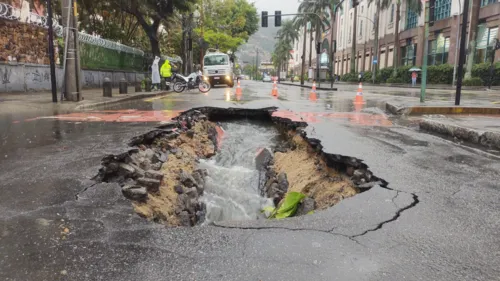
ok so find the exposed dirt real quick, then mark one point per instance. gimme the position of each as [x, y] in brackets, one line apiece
[185, 151]
[308, 173]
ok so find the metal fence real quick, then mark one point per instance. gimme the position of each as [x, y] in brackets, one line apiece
[95, 52]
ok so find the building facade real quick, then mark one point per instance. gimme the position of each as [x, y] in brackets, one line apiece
[443, 38]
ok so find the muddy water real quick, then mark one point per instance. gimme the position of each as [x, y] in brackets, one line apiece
[231, 191]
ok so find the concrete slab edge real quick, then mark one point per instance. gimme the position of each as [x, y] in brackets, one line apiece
[417, 110]
[309, 87]
[487, 139]
[127, 98]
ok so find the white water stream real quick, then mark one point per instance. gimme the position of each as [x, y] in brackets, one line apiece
[231, 191]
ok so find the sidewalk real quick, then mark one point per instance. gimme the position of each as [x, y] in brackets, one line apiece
[92, 98]
[340, 84]
[479, 130]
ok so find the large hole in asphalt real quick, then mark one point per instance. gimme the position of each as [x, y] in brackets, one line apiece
[213, 164]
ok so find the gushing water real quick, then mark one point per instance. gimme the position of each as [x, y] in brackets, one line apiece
[232, 191]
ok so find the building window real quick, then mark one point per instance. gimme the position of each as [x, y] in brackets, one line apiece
[487, 2]
[485, 43]
[361, 28]
[442, 9]
[392, 13]
[438, 50]
[408, 53]
[411, 19]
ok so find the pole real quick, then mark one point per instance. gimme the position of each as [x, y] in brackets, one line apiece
[71, 89]
[461, 59]
[423, 86]
[375, 43]
[456, 45]
[201, 33]
[51, 52]
[303, 55]
[77, 52]
[492, 66]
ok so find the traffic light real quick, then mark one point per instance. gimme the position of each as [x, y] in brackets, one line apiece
[334, 49]
[190, 44]
[264, 19]
[354, 3]
[277, 18]
[318, 48]
[432, 4]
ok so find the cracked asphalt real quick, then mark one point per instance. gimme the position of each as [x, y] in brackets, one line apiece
[438, 219]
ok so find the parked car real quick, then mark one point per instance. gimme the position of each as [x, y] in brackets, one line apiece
[266, 79]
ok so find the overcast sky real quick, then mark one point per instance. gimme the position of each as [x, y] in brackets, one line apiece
[285, 6]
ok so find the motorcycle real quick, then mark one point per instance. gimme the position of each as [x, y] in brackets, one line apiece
[194, 80]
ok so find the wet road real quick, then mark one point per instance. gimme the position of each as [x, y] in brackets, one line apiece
[437, 221]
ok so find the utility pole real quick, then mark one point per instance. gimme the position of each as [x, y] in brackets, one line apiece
[461, 58]
[354, 35]
[51, 52]
[423, 85]
[71, 83]
[375, 43]
[190, 44]
[257, 64]
[202, 41]
[303, 56]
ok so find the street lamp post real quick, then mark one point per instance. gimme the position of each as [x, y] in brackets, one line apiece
[51, 52]
[423, 85]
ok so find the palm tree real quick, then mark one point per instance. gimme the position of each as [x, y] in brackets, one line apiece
[318, 24]
[281, 54]
[299, 22]
[288, 33]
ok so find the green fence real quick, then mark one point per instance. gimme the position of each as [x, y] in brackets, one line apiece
[97, 57]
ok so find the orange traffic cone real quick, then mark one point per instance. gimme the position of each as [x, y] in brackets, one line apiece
[359, 95]
[274, 92]
[238, 88]
[312, 94]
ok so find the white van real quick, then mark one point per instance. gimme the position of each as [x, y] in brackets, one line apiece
[218, 68]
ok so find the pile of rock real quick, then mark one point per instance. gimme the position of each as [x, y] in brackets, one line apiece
[156, 174]
[190, 209]
[274, 185]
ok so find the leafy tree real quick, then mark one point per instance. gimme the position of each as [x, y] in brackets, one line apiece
[288, 34]
[227, 23]
[150, 14]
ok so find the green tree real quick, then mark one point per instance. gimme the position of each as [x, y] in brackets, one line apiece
[227, 23]
[289, 34]
[318, 17]
[150, 14]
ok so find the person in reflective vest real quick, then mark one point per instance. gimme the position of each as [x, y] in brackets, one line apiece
[166, 72]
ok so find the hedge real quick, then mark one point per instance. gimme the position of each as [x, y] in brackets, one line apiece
[482, 70]
[474, 81]
[436, 74]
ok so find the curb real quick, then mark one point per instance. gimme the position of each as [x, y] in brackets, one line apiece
[443, 110]
[432, 87]
[310, 87]
[128, 98]
[487, 139]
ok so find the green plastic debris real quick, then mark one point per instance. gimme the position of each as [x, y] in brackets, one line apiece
[287, 207]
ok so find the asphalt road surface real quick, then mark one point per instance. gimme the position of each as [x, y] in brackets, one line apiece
[437, 220]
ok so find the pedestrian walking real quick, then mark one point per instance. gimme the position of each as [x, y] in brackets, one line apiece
[166, 73]
[413, 78]
[155, 75]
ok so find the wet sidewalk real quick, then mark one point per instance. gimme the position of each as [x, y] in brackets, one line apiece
[92, 98]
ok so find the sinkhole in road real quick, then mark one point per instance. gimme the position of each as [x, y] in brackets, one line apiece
[219, 164]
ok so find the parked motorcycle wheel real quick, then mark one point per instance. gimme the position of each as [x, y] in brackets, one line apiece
[204, 87]
[179, 87]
